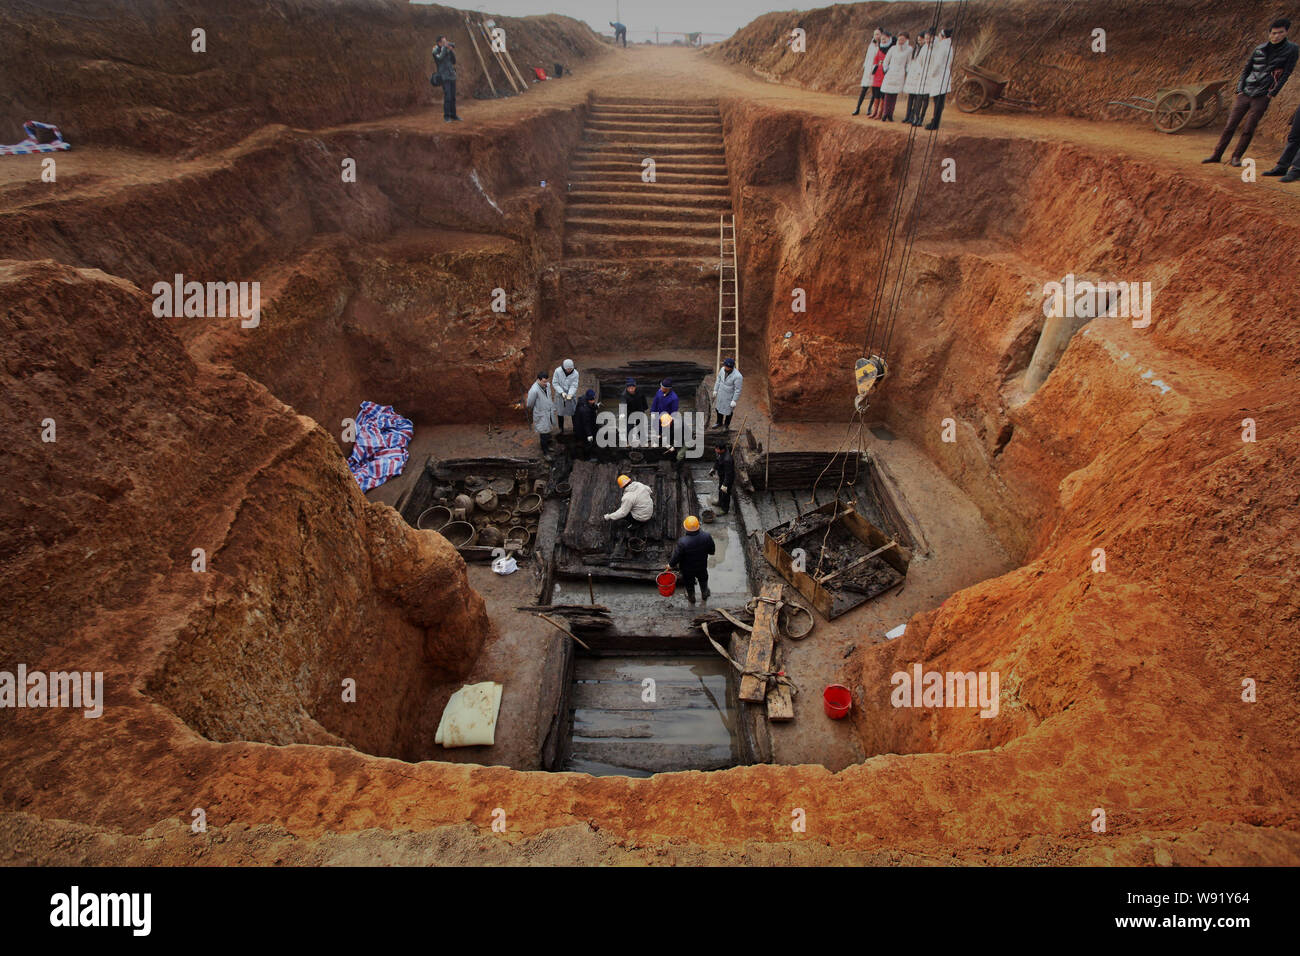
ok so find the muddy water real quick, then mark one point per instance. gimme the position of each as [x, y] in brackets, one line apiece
[645, 714]
[635, 716]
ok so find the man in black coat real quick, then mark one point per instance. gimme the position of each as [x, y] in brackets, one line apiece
[444, 56]
[584, 425]
[633, 401]
[1288, 164]
[724, 466]
[1262, 78]
[690, 558]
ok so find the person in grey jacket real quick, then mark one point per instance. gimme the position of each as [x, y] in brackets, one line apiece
[726, 392]
[541, 403]
[565, 382]
[1262, 78]
[444, 57]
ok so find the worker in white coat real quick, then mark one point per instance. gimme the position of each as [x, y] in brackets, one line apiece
[918, 65]
[895, 74]
[938, 81]
[565, 383]
[638, 503]
[541, 403]
[726, 392]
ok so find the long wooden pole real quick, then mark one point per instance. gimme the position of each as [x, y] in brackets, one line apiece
[487, 38]
[481, 62]
[511, 58]
[556, 624]
[504, 57]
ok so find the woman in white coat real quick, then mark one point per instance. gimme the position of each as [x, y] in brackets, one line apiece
[938, 81]
[895, 74]
[868, 68]
[914, 82]
[565, 383]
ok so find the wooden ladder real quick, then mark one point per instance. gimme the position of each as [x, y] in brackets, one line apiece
[728, 292]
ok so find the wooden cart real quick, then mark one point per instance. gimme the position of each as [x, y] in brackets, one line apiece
[981, 88]
[1180, 107]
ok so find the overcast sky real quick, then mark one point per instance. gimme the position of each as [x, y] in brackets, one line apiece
[642, 16]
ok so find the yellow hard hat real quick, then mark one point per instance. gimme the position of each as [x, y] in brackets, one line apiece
[691, 523]
[665, 419]
[623, 480]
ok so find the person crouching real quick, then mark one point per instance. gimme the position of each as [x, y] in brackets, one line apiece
[638, 504]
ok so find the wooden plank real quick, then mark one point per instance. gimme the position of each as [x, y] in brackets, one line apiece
[898, 556]
[780, 703]
[759, 655]
[802, 581]
[896, 506]
[860, 561]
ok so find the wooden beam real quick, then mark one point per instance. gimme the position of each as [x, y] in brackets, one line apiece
[481, 62]
[860, 561]
[780, 703]
[758, 660]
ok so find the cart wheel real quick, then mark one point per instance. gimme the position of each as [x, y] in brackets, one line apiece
[1173, 111]
[971, 96]
[1207, 113]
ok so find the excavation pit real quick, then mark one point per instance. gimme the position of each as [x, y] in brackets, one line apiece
[587, 578]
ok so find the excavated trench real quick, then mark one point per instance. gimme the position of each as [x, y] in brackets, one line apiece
[401, 311]
[391, 292]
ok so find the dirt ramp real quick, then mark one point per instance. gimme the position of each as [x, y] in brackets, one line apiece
[125, 72]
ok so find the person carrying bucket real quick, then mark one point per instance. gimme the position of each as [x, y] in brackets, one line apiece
[690, 558]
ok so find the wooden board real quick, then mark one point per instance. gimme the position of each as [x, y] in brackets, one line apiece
[780, 698]
[780, 703]
[761, 641]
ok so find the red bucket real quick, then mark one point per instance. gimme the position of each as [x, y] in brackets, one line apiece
[667, 582]
[837, 700]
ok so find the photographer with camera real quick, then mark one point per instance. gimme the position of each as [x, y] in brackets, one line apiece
[444, 57]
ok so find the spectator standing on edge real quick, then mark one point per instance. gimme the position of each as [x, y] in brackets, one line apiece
[918, 68]
[938, 80]
[868, 71]
[444, 55]
[895, 74]
[1262, 78]
[878, 77]
[1290, 154]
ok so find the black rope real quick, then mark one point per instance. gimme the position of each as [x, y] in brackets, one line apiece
[914, 217]
[882, 282]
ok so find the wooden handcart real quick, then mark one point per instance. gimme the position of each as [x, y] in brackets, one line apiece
[1180, 107]
[981, 88]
